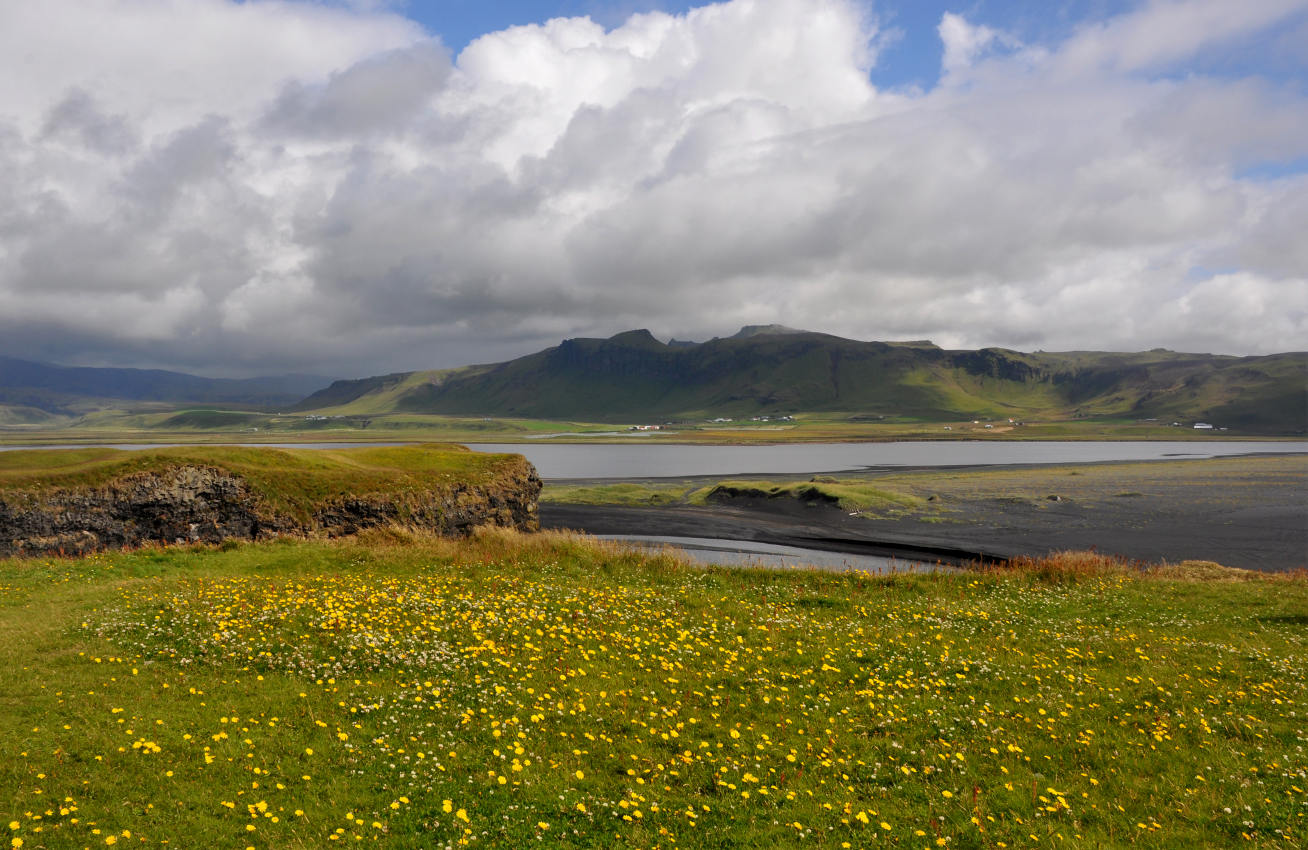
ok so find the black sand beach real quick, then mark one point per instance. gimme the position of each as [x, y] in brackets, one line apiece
[1249, 512]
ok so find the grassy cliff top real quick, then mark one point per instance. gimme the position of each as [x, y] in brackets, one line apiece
[288, 480]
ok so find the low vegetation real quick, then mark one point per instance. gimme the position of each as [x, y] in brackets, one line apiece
[848, 494]
[625, 493]
[220, 426]
[854, 495]
[549, 690]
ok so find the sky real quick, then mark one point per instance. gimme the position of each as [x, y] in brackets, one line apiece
[358, 187]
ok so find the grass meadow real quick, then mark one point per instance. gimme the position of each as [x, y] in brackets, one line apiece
[548, 690]
[849, 494]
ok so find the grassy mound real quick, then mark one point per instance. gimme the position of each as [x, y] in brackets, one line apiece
[289, 482]
[849, 495]
[205, 419]
[547, 690]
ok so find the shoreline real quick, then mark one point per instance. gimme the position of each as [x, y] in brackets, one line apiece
[1247, 512]
[727, 524]
[23, 437]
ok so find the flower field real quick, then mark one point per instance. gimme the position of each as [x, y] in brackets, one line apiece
[547, 691]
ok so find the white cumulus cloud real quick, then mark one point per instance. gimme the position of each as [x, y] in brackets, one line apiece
[268, 186]
[963, 42]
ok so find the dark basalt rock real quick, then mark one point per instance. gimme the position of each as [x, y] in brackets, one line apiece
[454, 511]
[204, 504]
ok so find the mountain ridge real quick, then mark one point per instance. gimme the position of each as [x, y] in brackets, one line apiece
[70, 390]
[777, 370]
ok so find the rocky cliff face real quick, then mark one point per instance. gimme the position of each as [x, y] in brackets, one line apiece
[204, 504]
[511, 502]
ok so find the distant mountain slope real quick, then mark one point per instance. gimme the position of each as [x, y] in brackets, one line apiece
[777, 370]
[764, 330]
[67, 389]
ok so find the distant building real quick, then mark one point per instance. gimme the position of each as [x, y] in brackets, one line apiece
[1202, 426]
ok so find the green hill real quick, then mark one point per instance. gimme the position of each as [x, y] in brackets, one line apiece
[70, 390]
[775, 370]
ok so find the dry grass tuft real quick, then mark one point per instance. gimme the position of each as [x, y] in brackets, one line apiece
[1207, 571]
[1069, 566]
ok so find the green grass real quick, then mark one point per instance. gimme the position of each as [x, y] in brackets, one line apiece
[27, 417]
[849, 494]
[289, 481]
[626, 493]
[210, 419]
[198, 427]
[512, 691]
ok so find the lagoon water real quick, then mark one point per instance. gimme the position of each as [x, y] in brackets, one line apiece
[748, 553]
[668, 460]
[645, 460]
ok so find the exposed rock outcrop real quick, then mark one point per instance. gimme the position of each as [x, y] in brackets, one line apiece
[510, 503]
[206, 504]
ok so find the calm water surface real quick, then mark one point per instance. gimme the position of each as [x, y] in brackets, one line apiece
[646, 460]
[745, 553]
[628, 461]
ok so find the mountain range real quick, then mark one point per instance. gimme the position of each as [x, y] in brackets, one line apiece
[762, 370]
[778, 370]
[33, 392]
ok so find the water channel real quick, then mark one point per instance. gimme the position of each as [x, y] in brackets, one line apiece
[645, 460]
[669, 460]
[748, 553]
